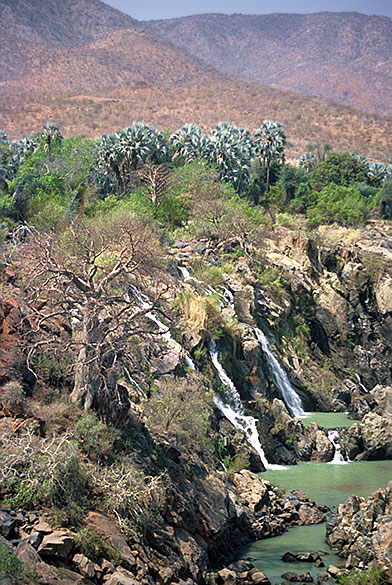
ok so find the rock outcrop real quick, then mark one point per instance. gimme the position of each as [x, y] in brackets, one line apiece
[369, 440]
[361, 532]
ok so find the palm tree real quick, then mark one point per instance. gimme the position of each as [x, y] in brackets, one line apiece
[377, 170]
[189, 143]
[269, 143]
[51, 135]
[231, 153]
[307, 161]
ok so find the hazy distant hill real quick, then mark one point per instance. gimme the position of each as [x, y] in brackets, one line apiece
[30, 29]
[92, 69]
[342, 56]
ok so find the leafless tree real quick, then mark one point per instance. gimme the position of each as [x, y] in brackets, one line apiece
[157, 180]
[88, 279]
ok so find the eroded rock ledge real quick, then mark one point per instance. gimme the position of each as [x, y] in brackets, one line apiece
[231, 510]
[361, 532]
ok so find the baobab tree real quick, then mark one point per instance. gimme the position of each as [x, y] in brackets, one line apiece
[87, 278]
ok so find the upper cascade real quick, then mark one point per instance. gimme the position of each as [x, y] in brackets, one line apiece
[234, 411]
[291, 398]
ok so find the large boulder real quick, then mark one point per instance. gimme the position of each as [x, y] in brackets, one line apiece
[369, 440]
[361, 532]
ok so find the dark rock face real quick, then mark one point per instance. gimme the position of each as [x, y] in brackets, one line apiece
[361, 531]
[369, 440]
[12, 361]
[298, 577]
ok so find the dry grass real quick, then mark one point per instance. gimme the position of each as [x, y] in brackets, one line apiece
[339, 235]
[305, 119]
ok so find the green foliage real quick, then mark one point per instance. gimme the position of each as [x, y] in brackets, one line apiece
[343, 205]
[304, 196]
[95, 438]
[373, 265]
[11, 567]
[297, 332]
[237, 463]
[182, 409]
[93, 547]
[50, 474]
[46, 189]
[367, 577]
[341, 169]
[385, 200]
[291, 179]
[270, 277]
[211, 275]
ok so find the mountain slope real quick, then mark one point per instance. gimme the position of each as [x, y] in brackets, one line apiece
[31, 29]
[91, 69]
[342, 56]
[121, 57]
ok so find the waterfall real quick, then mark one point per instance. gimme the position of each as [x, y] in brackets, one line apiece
[358, 377]
[291, 398]
[338, 457]
[186, 275]
[190, 363]
[227, 296]
[234, 411]
[145, 303]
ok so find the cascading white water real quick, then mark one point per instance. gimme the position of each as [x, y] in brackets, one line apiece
[227, 296]
[358, 377]
[234, 411]
[190, 363]
[333, 436]
[291, 398]
[145, 303]
[186, 275]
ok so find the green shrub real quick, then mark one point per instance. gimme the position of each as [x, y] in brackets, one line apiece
[45, 471]
[368, 577]
[182, 409]
[93, 547]
[341, 169]
[236, 463]
[95, 438]
[343, 205]
[11, 566]
[270, 277]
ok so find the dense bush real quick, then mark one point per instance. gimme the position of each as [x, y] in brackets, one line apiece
[341, 169]
[343, 205]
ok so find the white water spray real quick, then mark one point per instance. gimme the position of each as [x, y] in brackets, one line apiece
[333, 436]
[291, 398]
[358, 377]
[234, 411]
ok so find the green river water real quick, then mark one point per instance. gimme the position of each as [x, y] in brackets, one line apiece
[326, 484]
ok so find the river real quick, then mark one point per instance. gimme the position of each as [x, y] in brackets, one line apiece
[326, 484]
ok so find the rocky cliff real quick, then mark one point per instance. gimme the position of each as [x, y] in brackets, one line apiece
[361, 532]
[323, 305]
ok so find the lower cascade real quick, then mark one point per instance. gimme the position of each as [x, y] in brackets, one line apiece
[291, 398]
[234, 412]
[338, 459]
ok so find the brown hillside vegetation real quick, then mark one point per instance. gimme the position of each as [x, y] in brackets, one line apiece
[30, 29]
[91, 69]
[346, 57]
[129, 57]
[306, 119]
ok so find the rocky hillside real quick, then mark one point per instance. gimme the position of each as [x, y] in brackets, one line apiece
[129, 70]
[344, 56]
[32, 30]
[361, 531]
[325, 308]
